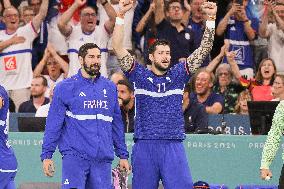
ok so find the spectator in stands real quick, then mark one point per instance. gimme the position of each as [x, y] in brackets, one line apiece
[172, 29]
[278, 87]
[112, 62]
[274, 32]
[38, 88]
[203, 94]
[42, 111]
[40, 42]
[146, 27]
[225, 84]
[196, 23]
[86, 31]
[15, 70]
[126, 103]
[240, 28]
[54, 64]
[27, 15]
[241, 104]
[195, 116]
[117, 76]
[272, 144]
[260, 86]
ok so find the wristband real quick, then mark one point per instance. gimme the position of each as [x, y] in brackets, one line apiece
[119, 21]
[210, 24]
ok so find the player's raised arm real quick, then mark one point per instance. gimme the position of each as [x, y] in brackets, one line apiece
[124, 57]
[197, 57]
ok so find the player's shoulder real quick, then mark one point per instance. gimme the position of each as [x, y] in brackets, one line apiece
[107, 82]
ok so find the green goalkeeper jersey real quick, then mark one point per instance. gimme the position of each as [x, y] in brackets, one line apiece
[274, 137]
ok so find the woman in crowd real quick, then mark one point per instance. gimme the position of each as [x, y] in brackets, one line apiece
[242, 105]
[278, 87]
[260, 86]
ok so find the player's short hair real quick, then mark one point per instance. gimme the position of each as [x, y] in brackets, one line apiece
[126, 83]
[83, 51]
[158, 42]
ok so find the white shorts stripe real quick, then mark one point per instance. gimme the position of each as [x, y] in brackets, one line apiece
[8, 171]
[158, 95]
[86, 117]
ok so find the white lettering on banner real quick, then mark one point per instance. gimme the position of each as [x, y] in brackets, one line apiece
[25, 142]
[90, 104]
[221, 145]
[237, 130]
[259, 145]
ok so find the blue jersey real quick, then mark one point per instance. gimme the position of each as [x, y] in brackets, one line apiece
[84, 119]
[240, 43]
[8, 162]
[158, 102]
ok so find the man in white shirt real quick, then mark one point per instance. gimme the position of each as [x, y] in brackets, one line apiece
[86, 32]
[15, 57]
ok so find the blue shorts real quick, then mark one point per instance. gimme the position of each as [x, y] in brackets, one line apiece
[153, 160]
[80, 173]
[7, 180]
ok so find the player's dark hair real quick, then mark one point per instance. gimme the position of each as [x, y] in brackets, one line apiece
[158, 42]
[83, 51]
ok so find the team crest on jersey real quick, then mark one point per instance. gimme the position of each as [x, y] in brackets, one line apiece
[10, 63]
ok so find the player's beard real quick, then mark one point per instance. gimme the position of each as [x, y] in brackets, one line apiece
[92, 70]
[159, 67]
[125, 101]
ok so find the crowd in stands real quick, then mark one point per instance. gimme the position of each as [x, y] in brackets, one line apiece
[39, 42]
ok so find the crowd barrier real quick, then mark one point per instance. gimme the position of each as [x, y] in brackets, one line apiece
[231, 160]
[236, 124]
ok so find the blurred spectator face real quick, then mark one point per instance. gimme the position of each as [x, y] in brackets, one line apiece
[28, 15]
[88, 19]
[243, 102]
[196, 10]
[11, 18]
[124, 94]
[35, 4]
[53, 68]
[267, 69]
[175, 11]
[278, 86]
[224, 78]
[203, 83]
[115, 77]
[37, 87]
[161, 57]
[280, 11]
